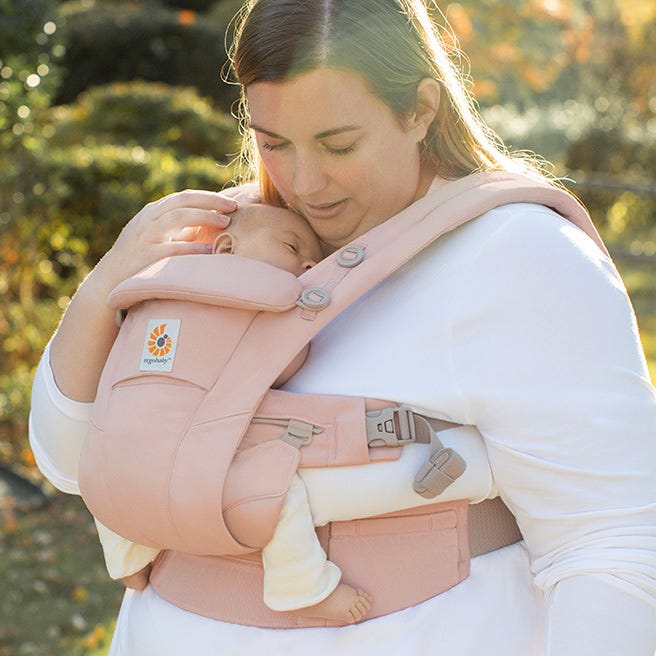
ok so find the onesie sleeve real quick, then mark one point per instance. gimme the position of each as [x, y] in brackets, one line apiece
[57, 428]
[553, 375]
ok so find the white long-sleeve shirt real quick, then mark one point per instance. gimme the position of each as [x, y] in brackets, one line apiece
[517, 324]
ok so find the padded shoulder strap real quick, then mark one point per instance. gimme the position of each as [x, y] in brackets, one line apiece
[385, 248]
[335, 283]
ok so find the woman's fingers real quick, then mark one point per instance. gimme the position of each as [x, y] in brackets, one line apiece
[181, 223]
[204, 200]
[185, 248]
[184, 217]
[187, 234]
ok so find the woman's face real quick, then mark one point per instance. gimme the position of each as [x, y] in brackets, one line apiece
[335, 152]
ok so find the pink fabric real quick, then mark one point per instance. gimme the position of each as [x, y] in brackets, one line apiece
[405, 558]
[171, 495]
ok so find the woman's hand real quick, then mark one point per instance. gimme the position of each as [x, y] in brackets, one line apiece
[183, 223]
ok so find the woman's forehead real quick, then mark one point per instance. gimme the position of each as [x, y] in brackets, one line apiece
[319, 101]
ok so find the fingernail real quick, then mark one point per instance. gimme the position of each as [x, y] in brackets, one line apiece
[232, 203]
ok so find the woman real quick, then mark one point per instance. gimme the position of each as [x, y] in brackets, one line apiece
[515, 323]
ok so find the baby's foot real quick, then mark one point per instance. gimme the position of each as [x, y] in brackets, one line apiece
[344, 604]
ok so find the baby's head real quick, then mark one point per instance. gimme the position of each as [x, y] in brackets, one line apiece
[273, 235]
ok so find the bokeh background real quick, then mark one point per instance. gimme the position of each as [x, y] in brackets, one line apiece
[108, 104]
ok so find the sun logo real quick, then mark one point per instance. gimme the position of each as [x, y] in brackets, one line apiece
[159, 343]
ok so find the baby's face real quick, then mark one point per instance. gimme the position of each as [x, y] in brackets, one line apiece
[276, 236]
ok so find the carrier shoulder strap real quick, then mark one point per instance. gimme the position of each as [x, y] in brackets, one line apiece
[343, 277]
[273, 340]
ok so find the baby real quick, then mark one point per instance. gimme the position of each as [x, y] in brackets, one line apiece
[297, 575]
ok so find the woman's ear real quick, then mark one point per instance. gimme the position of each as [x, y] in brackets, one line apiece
[224, 244]
[428, 102]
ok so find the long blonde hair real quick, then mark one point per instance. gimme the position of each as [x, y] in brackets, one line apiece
[393, 45]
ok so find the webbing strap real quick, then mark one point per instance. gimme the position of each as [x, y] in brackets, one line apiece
[398, 426]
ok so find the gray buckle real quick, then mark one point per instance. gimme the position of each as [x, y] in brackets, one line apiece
[299, 433]
[441, 469]
[350, 256]
[314, 299]
[393, 426]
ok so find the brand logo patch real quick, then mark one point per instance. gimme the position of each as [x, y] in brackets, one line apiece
[159, 346]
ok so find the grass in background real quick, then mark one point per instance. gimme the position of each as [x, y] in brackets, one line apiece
[57, 599]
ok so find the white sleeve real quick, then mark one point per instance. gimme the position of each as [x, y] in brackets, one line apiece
[552, 372]
[122, 557]
[57, 428]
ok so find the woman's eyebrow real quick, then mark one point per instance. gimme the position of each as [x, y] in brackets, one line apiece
[320, 135]
[330, 133]
[273, 135]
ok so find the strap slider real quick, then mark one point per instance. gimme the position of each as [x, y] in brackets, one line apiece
[314, 299]
[299, 433]
[350, 256]
[393, 426]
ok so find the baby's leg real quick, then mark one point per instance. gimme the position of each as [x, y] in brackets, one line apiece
[298, 576]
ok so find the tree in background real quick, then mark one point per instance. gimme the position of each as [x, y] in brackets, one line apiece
[576, 81]
[108, 104]
[151, 41]
[70, 177]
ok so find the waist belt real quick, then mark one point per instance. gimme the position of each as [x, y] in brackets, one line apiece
[401, 559]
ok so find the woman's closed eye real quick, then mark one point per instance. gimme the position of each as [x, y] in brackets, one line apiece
[267, 145]
[339, 150]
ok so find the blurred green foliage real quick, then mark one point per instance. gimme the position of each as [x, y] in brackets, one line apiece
[109, 42]
[108, 104]
[70, 177]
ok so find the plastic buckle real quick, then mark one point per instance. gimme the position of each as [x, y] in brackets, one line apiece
[441, 469]
[299, 433]
[393, 426]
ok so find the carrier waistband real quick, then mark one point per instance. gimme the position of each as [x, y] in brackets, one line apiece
[372, 554]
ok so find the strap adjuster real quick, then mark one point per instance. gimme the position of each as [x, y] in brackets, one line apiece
[441, 469]
[299, 433]
[393, 426]
[398, 426]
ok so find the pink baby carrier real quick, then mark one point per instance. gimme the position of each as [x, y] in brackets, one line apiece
[192, 452]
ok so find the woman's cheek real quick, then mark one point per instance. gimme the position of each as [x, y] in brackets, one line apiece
[278, 171]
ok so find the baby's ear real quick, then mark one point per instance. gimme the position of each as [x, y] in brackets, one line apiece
[223, 244]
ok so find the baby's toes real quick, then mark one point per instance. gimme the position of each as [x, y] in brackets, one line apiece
[365, 598]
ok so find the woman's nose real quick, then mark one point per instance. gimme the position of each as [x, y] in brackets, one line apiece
[309, 177]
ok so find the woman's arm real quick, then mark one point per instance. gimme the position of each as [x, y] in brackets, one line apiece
[550, 366]
[161, 229]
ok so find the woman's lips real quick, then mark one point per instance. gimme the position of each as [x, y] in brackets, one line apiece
[324, 211]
